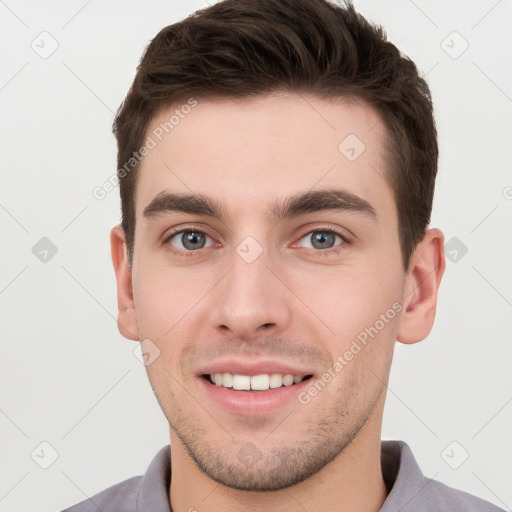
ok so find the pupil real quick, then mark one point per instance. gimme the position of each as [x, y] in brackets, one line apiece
[192, 240]
[322, 240]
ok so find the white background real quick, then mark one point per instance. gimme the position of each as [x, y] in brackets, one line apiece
[68, 377]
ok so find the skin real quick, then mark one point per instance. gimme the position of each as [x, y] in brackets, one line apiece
[295, 303]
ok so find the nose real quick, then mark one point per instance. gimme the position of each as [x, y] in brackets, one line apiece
[250, 300]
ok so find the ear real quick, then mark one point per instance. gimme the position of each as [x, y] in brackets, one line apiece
[126, 320]
[420, 291]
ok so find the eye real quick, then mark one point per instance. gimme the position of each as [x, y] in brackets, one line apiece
[322, 239]
[190, 240]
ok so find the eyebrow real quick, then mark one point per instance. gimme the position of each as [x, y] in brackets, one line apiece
[292, 206]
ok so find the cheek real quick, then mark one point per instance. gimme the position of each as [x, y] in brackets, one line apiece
[363, 310]
[163, 297]
[360, 295]
[357, 306]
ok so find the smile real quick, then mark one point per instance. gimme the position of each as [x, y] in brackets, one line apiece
[262, 382]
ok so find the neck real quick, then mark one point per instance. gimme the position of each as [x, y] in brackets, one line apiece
[352, 481]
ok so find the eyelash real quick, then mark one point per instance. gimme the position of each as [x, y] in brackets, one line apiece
[346, 240]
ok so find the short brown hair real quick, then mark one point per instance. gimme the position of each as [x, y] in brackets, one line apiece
[246, 48]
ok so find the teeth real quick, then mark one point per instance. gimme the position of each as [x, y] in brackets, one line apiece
[276, 380]
[288, 380]
[241, 382]
[261, 382]
[227, 380]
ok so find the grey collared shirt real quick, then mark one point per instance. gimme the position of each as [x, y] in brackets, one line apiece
[409, 490]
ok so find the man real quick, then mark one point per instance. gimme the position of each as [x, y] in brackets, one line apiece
[277, 162]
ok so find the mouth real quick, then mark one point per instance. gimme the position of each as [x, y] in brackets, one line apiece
[253, 387]
[253, 395]
[257, 383]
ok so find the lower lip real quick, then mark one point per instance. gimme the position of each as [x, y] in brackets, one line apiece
[252, 403]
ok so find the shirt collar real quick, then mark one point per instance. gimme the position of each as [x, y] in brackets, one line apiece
[401, 473]
[154, 486]
[400, 469]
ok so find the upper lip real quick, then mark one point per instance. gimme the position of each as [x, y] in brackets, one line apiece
[251, 367]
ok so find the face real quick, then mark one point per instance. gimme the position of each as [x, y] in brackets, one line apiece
[266, 252]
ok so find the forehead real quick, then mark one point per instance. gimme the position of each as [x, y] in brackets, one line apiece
[245, 153]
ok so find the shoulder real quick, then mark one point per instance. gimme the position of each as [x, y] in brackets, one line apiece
[148, 492]
[119, 497]
[411, 491]
[441, 497]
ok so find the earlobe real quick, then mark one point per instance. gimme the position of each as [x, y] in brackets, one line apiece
[126, 320]
[421, 287]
